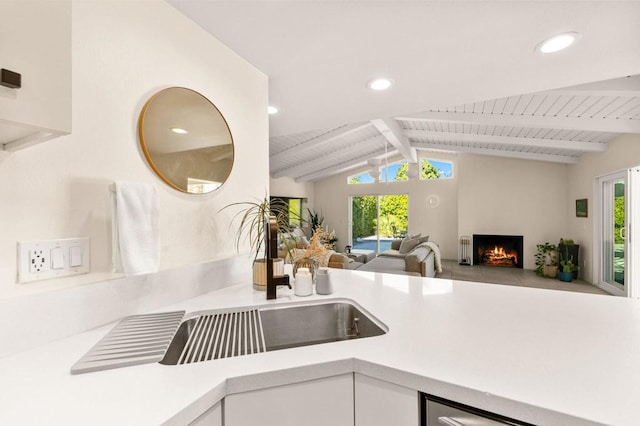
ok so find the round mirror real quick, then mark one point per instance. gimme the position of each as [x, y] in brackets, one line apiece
[186, 140]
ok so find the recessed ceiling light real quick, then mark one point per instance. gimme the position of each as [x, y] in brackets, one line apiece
[272, 110]
[179, 131]
[380, 84]
[558, 42]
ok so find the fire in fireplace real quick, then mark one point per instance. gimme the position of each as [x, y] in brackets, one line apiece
[498, 250]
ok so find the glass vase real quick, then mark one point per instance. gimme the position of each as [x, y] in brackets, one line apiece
[306, 262]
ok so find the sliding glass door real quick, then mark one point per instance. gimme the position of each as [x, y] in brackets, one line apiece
[613, 228]
[377, 219]
[616, 209]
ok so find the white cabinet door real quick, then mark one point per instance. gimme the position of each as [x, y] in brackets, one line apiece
[379, 403]
[35, 41]
[212, 417]
[321, 402]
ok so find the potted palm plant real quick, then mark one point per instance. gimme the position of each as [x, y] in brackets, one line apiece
[254, 217]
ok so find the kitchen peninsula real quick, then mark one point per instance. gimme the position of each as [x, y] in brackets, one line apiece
[540, 356]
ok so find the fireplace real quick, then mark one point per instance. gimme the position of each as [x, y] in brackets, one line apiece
[498, 250]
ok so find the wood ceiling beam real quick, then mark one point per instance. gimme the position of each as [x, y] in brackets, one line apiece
[317, 142]
[566, 123]
[339, 167]
[566, 159]
[628, 87]
[362, 150]
[396, 137]
[473, 138]
[629, 93]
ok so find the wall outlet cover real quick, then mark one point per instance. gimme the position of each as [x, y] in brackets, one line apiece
[37, 260]
[42, 260]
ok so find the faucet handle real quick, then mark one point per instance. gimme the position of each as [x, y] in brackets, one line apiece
[274, 282]
[282, 280]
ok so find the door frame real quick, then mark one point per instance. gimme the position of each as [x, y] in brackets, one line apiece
[378, 197]
[632, 215]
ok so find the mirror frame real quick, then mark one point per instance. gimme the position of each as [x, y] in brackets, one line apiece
[144, 145]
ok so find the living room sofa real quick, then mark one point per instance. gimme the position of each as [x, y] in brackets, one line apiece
[341, 261]
[420, 260]
[409, 256]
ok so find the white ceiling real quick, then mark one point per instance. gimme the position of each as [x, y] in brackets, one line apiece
[461, 71]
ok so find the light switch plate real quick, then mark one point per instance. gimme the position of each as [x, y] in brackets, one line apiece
[75, 256]
[42, 260]
[57, 258]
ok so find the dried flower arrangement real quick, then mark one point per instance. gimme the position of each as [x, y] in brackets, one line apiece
[320, 248]
[323, 237]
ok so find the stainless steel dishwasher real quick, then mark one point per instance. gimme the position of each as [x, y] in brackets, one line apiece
[436, 411]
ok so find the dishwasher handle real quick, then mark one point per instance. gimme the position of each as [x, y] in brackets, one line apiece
[448, 421]
[467, 420]
[440, 412]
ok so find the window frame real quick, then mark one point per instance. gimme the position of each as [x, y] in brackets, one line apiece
[423, 159]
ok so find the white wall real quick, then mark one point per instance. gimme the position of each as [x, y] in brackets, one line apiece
[122, 53]
[513, 197]
[287, 187]
[622, 153]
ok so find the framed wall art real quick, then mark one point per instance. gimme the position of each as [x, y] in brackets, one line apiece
[582, 209]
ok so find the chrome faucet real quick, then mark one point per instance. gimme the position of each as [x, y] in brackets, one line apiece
[271, 243]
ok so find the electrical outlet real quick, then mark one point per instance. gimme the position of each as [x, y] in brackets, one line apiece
[37, 260]
[41, 260]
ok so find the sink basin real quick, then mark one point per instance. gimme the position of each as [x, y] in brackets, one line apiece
[313, 324]
[227, 333]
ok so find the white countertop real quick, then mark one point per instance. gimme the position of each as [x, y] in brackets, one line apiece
[543, 356]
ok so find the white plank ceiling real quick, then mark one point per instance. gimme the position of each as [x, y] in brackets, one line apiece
[557, 126]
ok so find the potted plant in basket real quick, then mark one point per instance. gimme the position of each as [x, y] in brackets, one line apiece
[547, 260]
[254, 217]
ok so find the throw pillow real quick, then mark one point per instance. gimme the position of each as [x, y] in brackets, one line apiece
[423, 239]
[289, 243]
[395, 244]
[408, 244]
[298, 232]
[302, 242]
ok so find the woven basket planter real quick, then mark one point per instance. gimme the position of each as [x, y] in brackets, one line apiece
[550, 271]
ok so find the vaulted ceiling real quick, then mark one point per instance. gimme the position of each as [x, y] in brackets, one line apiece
[557, 126]
[466, 77]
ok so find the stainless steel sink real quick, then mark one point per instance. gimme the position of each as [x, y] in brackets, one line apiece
[233, 332]
[313, 324]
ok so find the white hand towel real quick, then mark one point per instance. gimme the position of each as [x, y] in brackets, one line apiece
[135, 228]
